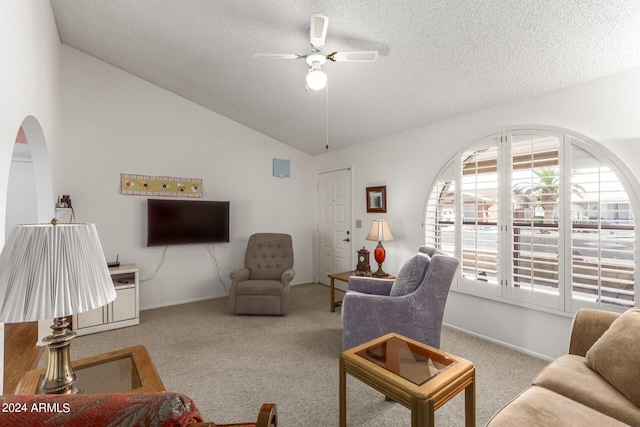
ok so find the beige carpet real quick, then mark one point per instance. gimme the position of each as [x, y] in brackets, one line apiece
[230, 365]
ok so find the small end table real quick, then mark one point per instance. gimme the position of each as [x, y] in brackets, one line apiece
[344, 277]
[417, 376]
[129, 370]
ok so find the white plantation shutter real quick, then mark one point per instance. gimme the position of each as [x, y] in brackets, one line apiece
[440, 221]
[602, 236]
[479, 206]
[536, 184]
[541, 214]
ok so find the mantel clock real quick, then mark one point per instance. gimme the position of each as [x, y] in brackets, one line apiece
[363, 268]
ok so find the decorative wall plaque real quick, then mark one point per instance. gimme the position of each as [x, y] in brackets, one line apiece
[147, 185]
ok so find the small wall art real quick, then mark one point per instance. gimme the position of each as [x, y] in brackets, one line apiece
[146, 185]
[377, 199]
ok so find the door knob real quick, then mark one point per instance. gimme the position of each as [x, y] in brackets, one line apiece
[346, 240]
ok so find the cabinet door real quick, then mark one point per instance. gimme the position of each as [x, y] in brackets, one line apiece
[124, 306]
[91, 318]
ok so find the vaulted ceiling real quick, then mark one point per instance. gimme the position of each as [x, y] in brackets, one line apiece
[437, 58]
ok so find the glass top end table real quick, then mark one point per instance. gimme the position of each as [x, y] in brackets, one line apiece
[415, 375]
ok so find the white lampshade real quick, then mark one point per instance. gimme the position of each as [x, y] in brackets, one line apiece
[380, 231]
[316, 79]
[52, 271]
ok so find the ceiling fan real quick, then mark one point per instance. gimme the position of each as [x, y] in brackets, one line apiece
[316, 79]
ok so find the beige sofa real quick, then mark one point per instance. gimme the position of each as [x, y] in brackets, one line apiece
[596, 384]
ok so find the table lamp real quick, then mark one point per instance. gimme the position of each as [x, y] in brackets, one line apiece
[53, 271]
[380, 231]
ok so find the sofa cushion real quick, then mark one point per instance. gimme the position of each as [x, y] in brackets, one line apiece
[411, 275]
[616, 354]
[538, 407]
[130, 409]
[569, 376]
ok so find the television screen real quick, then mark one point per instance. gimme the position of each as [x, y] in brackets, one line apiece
[182, 222]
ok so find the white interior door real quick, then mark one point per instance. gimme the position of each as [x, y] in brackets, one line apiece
[334, 223]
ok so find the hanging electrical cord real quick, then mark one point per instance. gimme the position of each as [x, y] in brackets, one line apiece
[212, 253]
[158, 267]
[279, 205]
[326, 106]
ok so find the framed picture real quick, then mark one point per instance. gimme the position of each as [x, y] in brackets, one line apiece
[377, 199]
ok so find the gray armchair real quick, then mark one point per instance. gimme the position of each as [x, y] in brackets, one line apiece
[262, 286]
[412, 305]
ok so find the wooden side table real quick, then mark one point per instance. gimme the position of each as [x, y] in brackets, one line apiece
[129, 370]
[344, 277]
[417, 376]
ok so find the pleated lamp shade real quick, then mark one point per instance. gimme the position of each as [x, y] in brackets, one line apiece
[52, 271]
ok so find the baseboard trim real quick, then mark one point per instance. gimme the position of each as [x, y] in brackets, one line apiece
[189, 301]
[501, 343]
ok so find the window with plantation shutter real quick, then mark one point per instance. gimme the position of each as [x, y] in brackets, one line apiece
[602, 235]
[537, 217]
[478, 201]
[535, 231]
[440, 223]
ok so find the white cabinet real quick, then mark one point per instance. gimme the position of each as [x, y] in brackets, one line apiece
[121, 312]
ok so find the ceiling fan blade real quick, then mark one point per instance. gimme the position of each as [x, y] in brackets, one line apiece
[362, 56]
[318, 31]
[277, 56]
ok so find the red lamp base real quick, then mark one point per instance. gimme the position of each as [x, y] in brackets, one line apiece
[379, 254]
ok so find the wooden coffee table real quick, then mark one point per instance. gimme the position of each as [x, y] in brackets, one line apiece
[415, 375]
[129, 370]
[344, 277]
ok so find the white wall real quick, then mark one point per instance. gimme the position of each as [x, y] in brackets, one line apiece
[605, 110]
[29, 84]
[114, 122]
[22, 207]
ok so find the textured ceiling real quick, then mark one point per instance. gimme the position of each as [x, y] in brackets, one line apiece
[438, 58]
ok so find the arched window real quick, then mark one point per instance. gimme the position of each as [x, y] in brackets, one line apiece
[538, 217]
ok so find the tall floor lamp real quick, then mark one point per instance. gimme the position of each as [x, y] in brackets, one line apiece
[380, 231]
[53, 271]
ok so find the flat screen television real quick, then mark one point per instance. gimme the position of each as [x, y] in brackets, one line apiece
[183, 222]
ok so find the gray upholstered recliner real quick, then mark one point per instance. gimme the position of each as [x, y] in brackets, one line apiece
[262, 286]
[412, 305]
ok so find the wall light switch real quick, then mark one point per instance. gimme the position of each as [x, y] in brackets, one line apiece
[358, 223]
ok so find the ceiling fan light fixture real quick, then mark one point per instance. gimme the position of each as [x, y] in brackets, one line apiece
[316, 79]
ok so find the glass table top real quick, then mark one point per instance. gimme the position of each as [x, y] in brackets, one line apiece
[413, 363]
[115, 375]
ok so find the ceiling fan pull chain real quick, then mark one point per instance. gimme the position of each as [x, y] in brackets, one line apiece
[326, 105]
